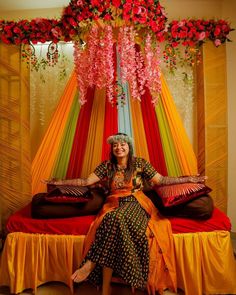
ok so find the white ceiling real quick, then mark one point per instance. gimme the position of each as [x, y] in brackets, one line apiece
[31, 4]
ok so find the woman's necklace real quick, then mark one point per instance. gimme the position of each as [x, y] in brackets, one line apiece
[119, 179]
[121, 168]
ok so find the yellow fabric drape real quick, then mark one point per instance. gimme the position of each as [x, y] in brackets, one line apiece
[204, 261]
[184, 148]
[47, 152]
[30, 260]
[15, 162]
[93, 152]
[140, 143]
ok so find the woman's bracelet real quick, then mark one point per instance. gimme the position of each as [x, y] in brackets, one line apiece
[73, 182]
[165, 180]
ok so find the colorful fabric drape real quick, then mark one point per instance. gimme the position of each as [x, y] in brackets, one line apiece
[76, 139]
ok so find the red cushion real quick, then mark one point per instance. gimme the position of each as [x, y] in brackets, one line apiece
[175, 194]
[21, 221]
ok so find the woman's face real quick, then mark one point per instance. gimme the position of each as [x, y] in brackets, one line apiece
[120, 149]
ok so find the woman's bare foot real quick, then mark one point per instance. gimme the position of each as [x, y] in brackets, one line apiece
[82, 273]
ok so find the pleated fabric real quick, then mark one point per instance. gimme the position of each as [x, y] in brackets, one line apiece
[29, 260]
[75, 142]
[46, 155]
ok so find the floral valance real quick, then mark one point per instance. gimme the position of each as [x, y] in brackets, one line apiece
[135, 26]
[80, 15]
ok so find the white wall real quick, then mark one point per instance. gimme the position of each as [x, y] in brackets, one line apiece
[179, 9]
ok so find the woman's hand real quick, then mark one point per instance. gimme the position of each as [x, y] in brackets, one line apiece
[54, 181]
[158, 179]
[196, 178]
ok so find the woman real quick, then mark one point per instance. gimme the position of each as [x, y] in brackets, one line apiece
[128, 237]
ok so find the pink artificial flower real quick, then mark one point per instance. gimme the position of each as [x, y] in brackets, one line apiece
[79, 3]
[201, 36]
[56, 32]
[217, 42]
[181, 23]
[38, 20]
[17, 30]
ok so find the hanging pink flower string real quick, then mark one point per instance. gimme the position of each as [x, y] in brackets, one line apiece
[81, 69]
[109, 63]
[153, 72]
[126, 47]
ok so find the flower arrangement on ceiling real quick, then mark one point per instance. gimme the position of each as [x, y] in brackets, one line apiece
[131, 29]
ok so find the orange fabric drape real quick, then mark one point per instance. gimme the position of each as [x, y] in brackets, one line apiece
[56, 257]
[184, 148]
[140, 142]
[93, 152]
[160, 239]
[47, 153]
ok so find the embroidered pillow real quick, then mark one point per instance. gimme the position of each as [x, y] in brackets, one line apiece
[175, 194]
[67, 194]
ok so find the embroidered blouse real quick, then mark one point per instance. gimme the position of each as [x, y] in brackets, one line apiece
[143, 170]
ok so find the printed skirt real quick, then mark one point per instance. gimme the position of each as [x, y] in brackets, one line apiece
[121, 244]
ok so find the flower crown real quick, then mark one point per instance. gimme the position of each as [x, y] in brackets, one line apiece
[119, 138]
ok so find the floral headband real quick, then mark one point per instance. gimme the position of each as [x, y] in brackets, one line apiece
[119, 138]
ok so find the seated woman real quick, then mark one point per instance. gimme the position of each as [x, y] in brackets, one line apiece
[119, 239]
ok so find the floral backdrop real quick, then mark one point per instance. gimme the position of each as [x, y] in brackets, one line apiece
[131, 29]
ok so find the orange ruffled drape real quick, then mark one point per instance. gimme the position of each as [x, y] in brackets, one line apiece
[29, 260]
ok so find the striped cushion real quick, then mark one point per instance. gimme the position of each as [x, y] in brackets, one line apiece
[67, 194]
[175, 194]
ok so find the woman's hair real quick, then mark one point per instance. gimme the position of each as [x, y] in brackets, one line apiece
[129, 169]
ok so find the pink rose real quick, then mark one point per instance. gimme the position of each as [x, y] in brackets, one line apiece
[217, 42]
[56, 32]
[201, 36]
[79, 3]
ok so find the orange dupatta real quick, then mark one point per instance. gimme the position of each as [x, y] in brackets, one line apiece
[162, 272]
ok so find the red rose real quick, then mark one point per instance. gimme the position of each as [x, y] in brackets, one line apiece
[95, 3]
[116, 3]
[182, 34]
[25, 41]
[174, 44]
[5, 40]
[217, 31]
[72, 22]
[107, 16]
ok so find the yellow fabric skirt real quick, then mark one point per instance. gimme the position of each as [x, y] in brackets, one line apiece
[205, 262]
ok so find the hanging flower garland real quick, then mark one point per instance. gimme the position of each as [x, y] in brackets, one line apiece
[191, 34]
[94, 62]
[136, 26]
[140, 67]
